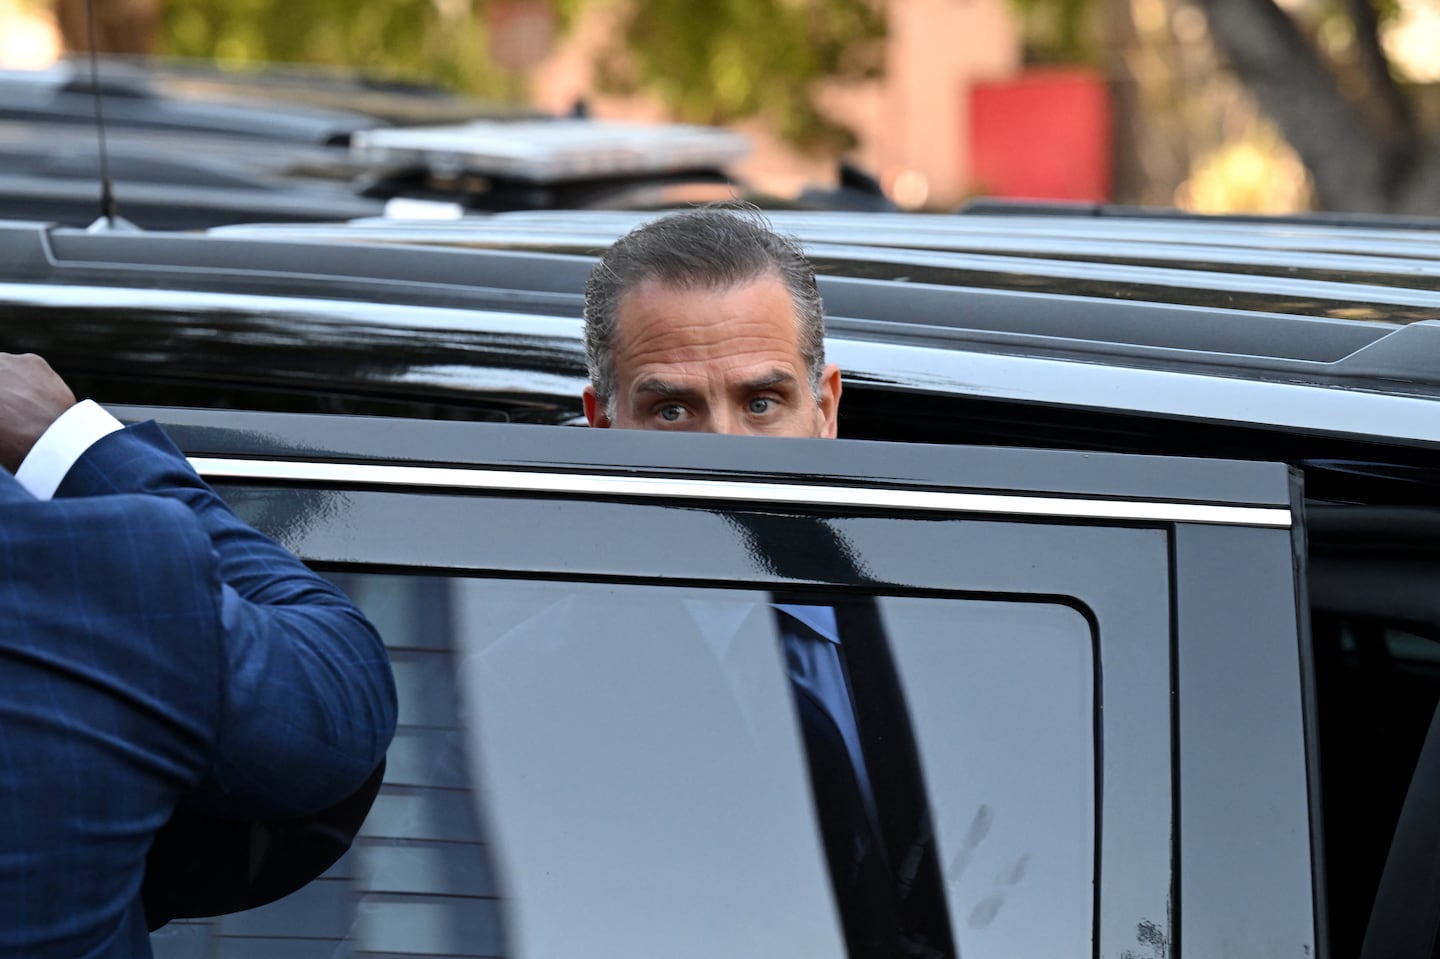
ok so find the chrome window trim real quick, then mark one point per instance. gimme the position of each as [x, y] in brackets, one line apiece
[862, 497]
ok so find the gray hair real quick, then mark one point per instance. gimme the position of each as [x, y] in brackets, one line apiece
[709, 247]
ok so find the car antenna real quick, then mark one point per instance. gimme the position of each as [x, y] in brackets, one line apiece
[109, 219]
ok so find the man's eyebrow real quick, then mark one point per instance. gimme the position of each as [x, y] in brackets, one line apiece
[658, 387]
[769, 381]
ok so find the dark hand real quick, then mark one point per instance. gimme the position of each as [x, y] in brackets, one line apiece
[32, 396]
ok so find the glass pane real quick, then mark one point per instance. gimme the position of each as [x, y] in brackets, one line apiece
[643, 771]
[603, 769]
[1002, 699]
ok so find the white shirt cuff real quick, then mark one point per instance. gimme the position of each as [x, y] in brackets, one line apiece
[57, 449]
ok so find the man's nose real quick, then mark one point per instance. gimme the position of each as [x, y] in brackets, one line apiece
[726, 420]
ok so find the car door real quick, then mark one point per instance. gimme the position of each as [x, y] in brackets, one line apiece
[1082, 673]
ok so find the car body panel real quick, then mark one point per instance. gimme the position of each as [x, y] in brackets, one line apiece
[971, 550]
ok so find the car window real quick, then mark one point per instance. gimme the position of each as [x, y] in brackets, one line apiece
[1378, 686]
[1376, 658]
[617, 769]
[1001, 696]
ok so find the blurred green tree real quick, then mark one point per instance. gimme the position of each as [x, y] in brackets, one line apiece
[711, 61]
[1060, 31]
[722, 60]
[442, 41]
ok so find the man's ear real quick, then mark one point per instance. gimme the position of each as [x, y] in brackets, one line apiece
[830, 402]
[594, 409]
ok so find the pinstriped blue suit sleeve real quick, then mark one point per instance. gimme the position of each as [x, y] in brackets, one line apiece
[308, 700]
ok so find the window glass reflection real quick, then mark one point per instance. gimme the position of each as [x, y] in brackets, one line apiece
[1001, 698]
[588, 769]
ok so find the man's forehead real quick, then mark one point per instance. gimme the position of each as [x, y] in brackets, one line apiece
[662, 302]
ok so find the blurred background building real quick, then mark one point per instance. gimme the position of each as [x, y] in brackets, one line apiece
[1212, 105]
[912, 124]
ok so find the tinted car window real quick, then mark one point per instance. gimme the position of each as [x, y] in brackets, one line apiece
[617, 769]
[1001, 696]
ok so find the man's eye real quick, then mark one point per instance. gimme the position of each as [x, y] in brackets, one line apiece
[760, 405]
[671, 413]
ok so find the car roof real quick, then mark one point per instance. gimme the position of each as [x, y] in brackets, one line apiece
[1153, 239]
[1284, 348]
[1375, 275]
[350, 91]
[64, 93]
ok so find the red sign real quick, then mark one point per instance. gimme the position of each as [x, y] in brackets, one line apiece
[1044, 135]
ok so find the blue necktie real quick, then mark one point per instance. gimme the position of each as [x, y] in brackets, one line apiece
[811, 642]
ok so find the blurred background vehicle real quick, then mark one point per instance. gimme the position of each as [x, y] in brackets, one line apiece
[189, 148]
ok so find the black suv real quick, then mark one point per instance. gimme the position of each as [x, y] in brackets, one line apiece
[1142, 511]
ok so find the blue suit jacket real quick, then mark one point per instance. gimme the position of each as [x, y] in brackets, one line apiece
[153, 648]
